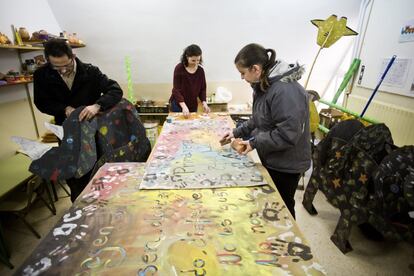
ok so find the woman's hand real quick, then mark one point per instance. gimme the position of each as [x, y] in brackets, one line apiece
[244, 147]
[238, 146]
[184, 108]
[205, 107]
[226, 138]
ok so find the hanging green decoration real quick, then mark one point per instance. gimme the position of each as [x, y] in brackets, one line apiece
[131, 95]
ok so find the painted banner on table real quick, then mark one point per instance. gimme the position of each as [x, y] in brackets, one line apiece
[116, 229]
[188, 155]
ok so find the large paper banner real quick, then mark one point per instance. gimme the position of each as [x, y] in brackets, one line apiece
[188, 155]
[116, 229]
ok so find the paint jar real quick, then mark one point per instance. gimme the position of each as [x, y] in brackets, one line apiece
[30, 66]
[151, 130]
[24, 34]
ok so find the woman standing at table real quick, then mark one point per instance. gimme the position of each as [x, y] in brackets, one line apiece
[189, 82]
[279, 127]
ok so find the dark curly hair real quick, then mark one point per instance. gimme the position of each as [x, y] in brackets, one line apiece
[191, 51]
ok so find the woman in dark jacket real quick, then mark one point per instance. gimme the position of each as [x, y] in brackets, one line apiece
[279, 127]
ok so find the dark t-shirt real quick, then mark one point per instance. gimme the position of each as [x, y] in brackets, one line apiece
[188, 87]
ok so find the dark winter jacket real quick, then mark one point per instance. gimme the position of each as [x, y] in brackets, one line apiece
[90, 86]
[280, 121]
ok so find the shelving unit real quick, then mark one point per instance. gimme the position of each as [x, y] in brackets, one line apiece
[153, 117]
[22, 49]
[16, 83]
[33, 48]
[153, 114]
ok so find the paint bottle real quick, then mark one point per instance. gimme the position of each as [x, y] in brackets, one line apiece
[30, 65]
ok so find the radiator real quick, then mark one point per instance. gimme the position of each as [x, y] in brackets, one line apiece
[399, 120]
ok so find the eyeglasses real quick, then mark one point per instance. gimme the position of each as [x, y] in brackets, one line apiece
[66, 66]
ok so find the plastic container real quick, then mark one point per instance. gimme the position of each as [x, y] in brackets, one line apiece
[151, 130]
[30, 66]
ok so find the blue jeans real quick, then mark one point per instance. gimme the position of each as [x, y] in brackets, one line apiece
[175, 107]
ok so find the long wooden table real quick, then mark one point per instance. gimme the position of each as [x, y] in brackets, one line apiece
[116, 228]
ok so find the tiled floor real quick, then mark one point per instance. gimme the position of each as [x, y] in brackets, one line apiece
[367, 258]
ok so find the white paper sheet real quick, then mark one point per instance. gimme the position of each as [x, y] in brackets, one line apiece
[57, 130]
[31, 148]
[397, 75]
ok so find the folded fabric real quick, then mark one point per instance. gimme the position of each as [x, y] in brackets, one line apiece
[76, 154]
[121, 136]
[116, 135]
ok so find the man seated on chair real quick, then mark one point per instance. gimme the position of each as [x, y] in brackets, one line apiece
[66, 83]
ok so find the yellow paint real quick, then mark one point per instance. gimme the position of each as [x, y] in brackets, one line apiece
[331, 30]
[103, 130]
[197, 260]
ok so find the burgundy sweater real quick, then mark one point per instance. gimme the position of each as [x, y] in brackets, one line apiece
[187, 87]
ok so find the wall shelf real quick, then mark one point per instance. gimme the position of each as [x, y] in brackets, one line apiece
[21, 48]
[33, 48]
[16, 83]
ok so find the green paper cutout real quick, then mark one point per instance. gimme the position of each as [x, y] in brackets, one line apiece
[130, 93]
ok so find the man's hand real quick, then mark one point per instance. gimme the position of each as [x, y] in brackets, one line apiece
[186, 111]
[68, 111]
[206, 108]
[226, 138]
[89, 112]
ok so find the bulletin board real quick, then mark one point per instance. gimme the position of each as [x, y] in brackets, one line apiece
[384, 38]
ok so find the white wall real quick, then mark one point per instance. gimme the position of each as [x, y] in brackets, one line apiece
[154, 33]
[381, 41]
[386, 33]
[35, 16]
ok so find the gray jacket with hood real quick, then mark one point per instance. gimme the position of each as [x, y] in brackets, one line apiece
[280, 123]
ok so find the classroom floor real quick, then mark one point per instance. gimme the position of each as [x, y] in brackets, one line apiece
[367, 258]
